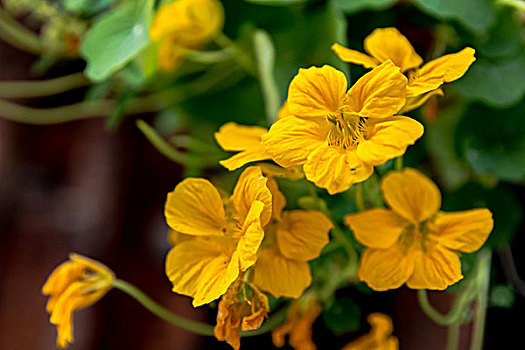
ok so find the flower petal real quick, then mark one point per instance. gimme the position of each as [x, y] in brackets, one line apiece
[353, 56]
[465, 231]
[252, 237]
[438, 268]
[389, 138]
[278, 199]
[376, 228]
[335, 169]
[303, 234]
[317, 92]
[379, 93]
[384, 269]
[195, 207]
[389, 44]
[245, 157]
[441, 70]
[234, 137]
[280, 276]
[250, 187]
[416, 101]
[411, 194]
[291, 139]
[202, 269]
[452, 66]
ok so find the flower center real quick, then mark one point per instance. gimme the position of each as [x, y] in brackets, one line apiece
[346, 130]
[419, 235]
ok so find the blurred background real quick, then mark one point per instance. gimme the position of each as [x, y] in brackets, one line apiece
[81, 187]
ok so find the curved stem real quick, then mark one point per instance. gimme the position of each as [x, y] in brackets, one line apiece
[161, 312]
[244, 60]
[478, 324]
[17, 35]
[41, 88]
[453, 336]
[455, 312]
[76, 111]
[510, 271]
[196, 327]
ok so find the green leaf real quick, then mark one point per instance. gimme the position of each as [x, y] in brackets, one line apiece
[116, 38]
[501, 201]
[502, 296]
[498, 83]
[353, 6]
[265, 55]
[342, 316]
[277, 2]
[504, 38]
[86, 6]
[493, 141]
[476, 15]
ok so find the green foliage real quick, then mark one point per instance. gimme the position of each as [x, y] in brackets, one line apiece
[342, 316]
[86, 6]
[493, 141]
[502, 202]
[116, 38]
[502, 296]
[476, 15]
[352, 6]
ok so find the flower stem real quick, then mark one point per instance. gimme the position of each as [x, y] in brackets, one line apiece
[17, 35]
[478, 324]
[453, 336]
[244, 60]
[359, 200]
[398, 165]
[75, 111]
[161, 312]
[196, 327]
[41, 88]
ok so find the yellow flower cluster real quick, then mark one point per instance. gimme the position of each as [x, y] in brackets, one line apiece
[72, 286]
[182, 26]
[226, 246]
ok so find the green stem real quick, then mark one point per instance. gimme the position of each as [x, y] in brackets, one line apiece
[478, 325]
[196, 327]
[41, 88]
[399, 163]
[453, 336]
[168, 151]
[209, 57]
[244, 60]
[161, 312]
[76, 111]
[359, 200]
[455, 312]
[17, 35]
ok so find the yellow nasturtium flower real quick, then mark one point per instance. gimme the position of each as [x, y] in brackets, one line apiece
[226, 236]
[336, 135]
[413, 242]
[291, 240]
[389, 44]
[74, 285]
[184, 25]
[380, 336]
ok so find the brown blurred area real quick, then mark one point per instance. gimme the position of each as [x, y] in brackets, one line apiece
[79, 188]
